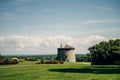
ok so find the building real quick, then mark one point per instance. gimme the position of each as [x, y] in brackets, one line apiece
[66, 53]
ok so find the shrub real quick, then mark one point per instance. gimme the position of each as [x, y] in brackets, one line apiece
[53, 62]
[2, 61]
[13, 61]
[21, 60]
[8, 61]
[31, 59]
[50, 62]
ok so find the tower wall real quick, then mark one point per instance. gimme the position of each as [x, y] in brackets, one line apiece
[70, 54]
[66, 54]
[61, 55]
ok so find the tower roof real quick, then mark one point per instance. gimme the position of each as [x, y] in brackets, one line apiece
[66, 47]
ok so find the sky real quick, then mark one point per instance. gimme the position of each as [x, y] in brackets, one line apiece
[40, 26]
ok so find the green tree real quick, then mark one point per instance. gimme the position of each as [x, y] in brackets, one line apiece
[1, 57]
[43, 60]
[106, 52]
[88, 57]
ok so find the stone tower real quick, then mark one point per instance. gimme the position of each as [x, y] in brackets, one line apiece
[66, 53]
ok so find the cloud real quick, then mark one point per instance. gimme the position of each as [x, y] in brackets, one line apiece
[57, 40]
[31, 44]
[22, 9]
[24, 1]
[16, 44]
[3, 9]
[92, 39]
[85, 43]
[19, 2]
[108, 9]
[101, 21]
[47, 10]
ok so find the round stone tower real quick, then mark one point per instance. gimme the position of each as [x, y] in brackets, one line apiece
[66, 53]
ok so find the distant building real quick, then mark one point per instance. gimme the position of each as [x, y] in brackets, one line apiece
[15, 58]
[66, 53]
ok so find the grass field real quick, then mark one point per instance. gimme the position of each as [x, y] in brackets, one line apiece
[68, 71]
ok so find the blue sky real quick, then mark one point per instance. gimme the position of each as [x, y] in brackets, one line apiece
[32, 26]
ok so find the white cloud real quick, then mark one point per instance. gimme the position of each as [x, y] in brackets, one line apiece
[22, 0]
[93, 39]
[88, 41]
[57, 40]
[108, 9]
[47, 10]
[7, 16]
[3, 9]
[15, 44]
[19, 2]
[101, 21]
[22, 9]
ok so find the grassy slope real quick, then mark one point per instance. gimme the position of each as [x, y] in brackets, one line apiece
[67, 71]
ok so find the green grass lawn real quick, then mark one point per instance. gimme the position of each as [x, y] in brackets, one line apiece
[68, 71]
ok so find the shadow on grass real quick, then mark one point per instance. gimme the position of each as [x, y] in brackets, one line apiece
[89, 70]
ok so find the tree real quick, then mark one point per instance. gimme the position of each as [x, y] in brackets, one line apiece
[43, 60]
[88, 57]
[106, 52]
[84, 58]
